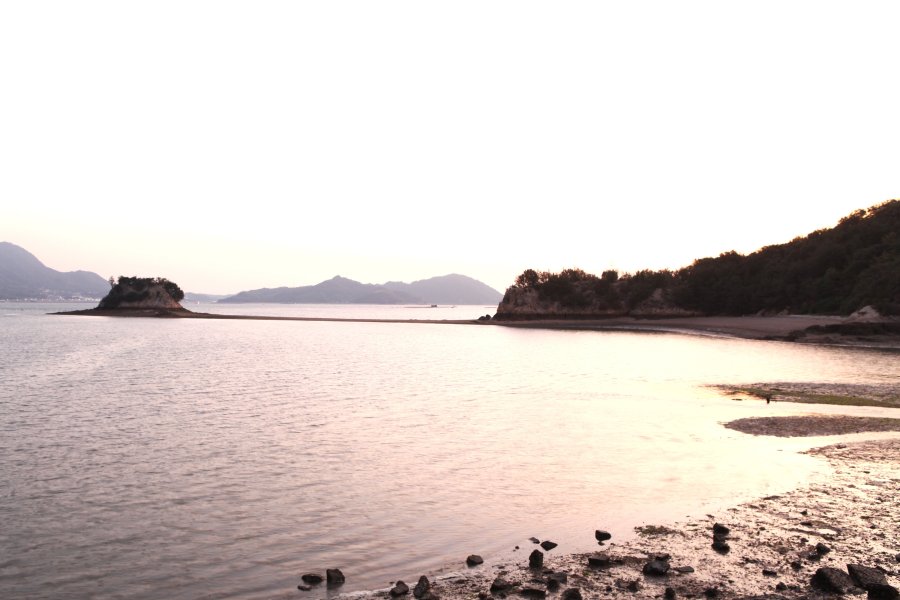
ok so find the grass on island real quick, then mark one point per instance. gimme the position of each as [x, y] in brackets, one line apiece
[780, 394]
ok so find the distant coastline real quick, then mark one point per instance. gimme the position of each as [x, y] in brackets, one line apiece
[794, 328]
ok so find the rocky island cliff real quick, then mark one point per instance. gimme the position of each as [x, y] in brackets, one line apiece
[140, 297]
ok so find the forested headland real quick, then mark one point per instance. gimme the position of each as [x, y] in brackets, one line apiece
[832, 271]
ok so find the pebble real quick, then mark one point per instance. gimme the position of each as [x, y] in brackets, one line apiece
[422, 587]
[670, 594]
[474, 560]
[599, 560]
[602, 536]
[536, 559]
[822, 549]
[399, 589]
[656, 568]
[548, 545]
[334, 577]
[572, 594]
[719, 529]
[311, 578]
[500, 585]
[304, 588]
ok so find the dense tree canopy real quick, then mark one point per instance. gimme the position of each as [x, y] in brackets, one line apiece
[830, 271]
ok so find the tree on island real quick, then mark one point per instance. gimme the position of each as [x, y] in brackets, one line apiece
[135, 291]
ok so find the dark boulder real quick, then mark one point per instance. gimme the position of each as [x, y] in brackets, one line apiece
[304, 588]
[334, 577]
[533, 592]
[422, 587]
[572, 594]
[560, 577]
[822, 549]
[719, 529]
[599, 561]
[548, 545]
[670, 594]
[883, 591]
[832, 581]
[536, 559]
[721, 546]
[474, 560]
[534, 540]
[685, 569]
[866, 577]
[602, 536]
[770, 573]
[399, 589]
[312, 578]
[500, 585]
[656, 568]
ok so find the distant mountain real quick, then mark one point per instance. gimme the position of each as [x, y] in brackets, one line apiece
[24, 277]
[448, 289]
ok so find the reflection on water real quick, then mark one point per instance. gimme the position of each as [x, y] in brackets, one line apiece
[184, 459]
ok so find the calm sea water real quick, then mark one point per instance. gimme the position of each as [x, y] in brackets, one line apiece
[157, 459]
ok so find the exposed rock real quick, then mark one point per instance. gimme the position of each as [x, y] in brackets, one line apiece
[334, 577]
[534, 540]
[548, 545]
[599, 561]
[656, 568]
[602, 536]
[304, 588]
[883, 592]
[770, 573]
[500, 585]
[822, 549]
[796, 565]
[832, 581]
[474, 560]
[866, 577]
[533, 592]
[711, 592]
[399, 589]
[572, 594]
[721, 546]
[781, 586]
[312, 578]
[421, 587]
[684, 570]
[719, 529]
[560, 577]
[670, 594]
[536, 559]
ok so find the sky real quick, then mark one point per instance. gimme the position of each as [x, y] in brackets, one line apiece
[238, 145]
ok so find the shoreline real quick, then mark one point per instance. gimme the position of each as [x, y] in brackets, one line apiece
[774, 547]
[807, 329]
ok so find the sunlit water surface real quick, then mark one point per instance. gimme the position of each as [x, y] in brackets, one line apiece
[153, 459]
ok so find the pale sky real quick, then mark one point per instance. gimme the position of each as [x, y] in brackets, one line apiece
[238, 145]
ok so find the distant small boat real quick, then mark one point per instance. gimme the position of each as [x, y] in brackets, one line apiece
[434, 306]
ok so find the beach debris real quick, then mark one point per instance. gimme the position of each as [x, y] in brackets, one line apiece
[656, 568]
[572, 594]
[500, 585]
[536, 559]
[334, 577]
[399, 589]
[422, 587]
[602, 536]
[473, 560]
[548, 545]
[832, 581]
[866, 577]
[312, 578]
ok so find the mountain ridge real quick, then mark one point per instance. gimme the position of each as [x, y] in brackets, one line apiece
[444, 289]
[24, 277]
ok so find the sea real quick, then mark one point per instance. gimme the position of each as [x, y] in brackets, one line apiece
[183, 459]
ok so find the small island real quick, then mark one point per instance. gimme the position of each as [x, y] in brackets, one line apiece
[139, 297]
